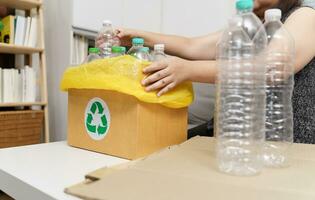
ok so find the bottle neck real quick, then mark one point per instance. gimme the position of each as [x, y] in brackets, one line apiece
[137, 45]
[159, 51]
[249, 10]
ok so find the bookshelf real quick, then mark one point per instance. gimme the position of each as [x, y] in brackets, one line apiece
[5, 49]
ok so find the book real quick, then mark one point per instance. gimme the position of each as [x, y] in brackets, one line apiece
[20, 30]
[7, 34]
[27, 31]
[33, 35]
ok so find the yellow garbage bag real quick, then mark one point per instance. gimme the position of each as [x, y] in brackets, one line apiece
[123, 74]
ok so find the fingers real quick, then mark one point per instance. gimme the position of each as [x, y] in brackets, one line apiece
[159, 84]
[155, 77]
[166, 89]
[154, 67]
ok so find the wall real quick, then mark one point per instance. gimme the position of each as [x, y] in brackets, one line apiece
[58, 22]
[184, 17]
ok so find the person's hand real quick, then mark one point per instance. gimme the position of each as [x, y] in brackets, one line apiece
[164, 75]
[122, 34]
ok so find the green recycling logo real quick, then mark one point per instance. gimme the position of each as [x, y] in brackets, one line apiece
[97, 118]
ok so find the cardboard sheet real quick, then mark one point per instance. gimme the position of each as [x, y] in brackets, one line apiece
[188, 171]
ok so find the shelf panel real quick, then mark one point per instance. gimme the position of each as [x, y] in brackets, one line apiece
[22, 104]
[15, 49]
[21, 4]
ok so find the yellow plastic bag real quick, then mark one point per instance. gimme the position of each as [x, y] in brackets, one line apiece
[123, 74]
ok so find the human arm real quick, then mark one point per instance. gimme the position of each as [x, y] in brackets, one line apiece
[166, 74]
[301, 25]
[196, 48]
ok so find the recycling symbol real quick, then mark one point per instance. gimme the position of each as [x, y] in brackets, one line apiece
[97, 119]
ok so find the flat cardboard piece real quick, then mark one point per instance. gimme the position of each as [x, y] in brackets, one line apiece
[188, 171]
[136, 129]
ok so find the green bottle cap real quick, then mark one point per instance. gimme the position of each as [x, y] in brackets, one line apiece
[244, 4]
[137, 41]
[118, 49]
[94, 50]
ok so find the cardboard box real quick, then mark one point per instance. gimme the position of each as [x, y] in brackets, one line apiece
[121, 125]
[188, 171]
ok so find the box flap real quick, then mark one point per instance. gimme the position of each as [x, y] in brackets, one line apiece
[188, 171]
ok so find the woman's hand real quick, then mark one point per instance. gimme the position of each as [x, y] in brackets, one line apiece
[164, 75]
[122, 34]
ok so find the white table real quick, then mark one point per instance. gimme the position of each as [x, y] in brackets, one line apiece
[41, 172]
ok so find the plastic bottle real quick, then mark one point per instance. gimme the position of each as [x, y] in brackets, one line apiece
[93, 55]
[158, 53]
[137, 50]
[144, 54]
[118, 51]
[108, 37]
[280, 81]
[239, 143]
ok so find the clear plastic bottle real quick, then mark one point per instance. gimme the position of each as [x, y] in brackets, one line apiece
[108, 37]
[280, 81]
[138, 50]
[158, 53]
[144, 54]
[93, 55]
[239, 143]
[118, 51]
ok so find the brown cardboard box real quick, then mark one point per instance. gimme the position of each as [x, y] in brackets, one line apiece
[120, 125]
[188, 172]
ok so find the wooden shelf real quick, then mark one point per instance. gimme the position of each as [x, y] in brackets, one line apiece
[15, 49]
[22, 104]
[21, 4]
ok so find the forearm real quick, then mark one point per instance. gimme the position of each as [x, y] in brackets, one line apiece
[202, 71]
[197, 48]
[175, 45]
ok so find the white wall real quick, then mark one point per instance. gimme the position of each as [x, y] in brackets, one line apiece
[183, 17]
[58, 22]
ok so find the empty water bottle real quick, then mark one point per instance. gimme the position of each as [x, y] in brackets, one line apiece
[137, 50]
[239, 143]
[93, 55]
[118, 51]
[108, 38]
[144, 54]
[158, 53]
[280, 81]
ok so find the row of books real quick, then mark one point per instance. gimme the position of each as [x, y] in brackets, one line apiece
[17, 85]
[20, 30]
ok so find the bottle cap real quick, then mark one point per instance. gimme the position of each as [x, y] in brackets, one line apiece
[159, 47]
[118, 49]
[244, 4]
[137, 41]
[273, 14]
[94, 50]
[107, 22]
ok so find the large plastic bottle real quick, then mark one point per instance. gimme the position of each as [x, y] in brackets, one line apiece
[158, 53]
[137, 50]
[239, 144]
[108, 37]
[280, 81]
